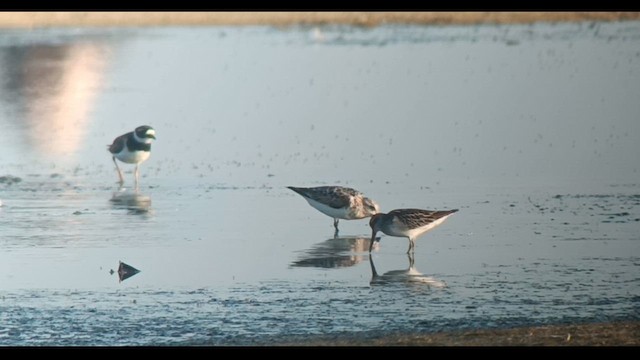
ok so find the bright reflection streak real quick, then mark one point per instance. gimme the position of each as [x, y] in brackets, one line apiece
[54, 88]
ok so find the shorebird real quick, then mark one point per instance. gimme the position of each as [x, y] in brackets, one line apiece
[132, 148]
[338, 202]
[409, 223]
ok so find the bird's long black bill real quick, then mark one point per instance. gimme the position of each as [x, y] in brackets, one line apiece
[373, 239]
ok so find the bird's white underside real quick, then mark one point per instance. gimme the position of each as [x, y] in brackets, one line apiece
[342, 213]
[133, 157]
[397, 228]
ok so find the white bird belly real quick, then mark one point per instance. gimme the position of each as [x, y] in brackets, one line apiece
[423, 229]
[398, 229]
[342, 213]
[135, 157]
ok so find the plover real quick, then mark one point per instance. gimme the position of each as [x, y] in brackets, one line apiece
[409, 223]
[338, 202]
[132, 148]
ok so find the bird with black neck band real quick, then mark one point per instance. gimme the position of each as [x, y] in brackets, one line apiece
[132, 148]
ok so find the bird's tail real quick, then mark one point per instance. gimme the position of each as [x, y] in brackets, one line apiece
[296, 189]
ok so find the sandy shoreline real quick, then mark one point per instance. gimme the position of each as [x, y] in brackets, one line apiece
[65, 18]
[598, 334]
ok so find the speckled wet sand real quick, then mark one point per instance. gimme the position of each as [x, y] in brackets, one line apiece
[600, 334]
[605, 334]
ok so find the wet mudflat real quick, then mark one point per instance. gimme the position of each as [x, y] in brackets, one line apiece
[530, 130]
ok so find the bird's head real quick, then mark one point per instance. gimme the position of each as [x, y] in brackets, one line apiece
[370, 206]
[145, 134]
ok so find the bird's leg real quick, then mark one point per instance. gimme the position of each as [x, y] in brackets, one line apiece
[335, 225]
[411, 246]
[119, 172]
[137, 173]
[411, 260]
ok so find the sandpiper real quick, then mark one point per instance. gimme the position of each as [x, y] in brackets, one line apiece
[132, 148]
[409, 223]
[338, 202]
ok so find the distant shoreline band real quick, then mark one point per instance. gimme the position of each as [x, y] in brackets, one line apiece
[279, 18]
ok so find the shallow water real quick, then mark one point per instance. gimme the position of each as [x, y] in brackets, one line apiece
[530, 130]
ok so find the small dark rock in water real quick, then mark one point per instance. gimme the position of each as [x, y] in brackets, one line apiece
[77, 212]
[126, 271]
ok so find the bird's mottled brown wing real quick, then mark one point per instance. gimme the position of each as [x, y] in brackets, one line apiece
[118, 144]
[333, 196]
[338, 196]
[415, 218]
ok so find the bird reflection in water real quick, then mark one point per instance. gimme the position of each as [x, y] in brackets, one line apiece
[133, 201]
[336, 252]
[409, 276]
